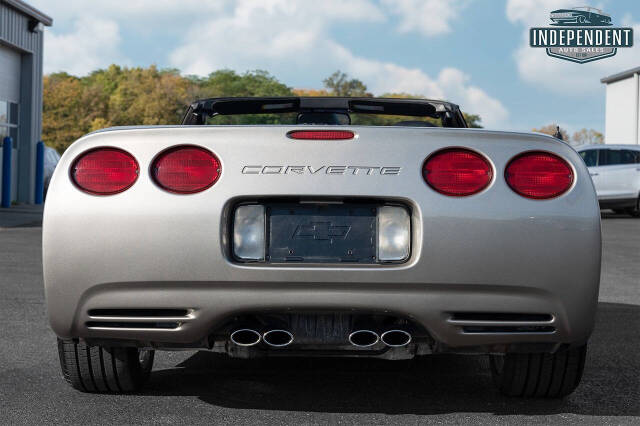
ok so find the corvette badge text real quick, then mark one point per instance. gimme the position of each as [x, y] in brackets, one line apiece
[580, 34]
[313, 170]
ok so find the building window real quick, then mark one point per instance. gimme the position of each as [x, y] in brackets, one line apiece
[590, 157]
[4, 112]
[613, 157]
[9, 119]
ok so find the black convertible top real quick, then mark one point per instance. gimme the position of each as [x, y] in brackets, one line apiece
[200, 110]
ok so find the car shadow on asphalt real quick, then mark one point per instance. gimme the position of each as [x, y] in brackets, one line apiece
[429, 385]
[606, 215]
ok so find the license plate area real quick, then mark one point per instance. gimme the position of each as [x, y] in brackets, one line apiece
[321, 233]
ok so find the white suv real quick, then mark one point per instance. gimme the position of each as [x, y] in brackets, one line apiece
[615, 170]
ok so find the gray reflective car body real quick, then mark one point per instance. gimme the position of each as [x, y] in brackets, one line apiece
[494, 252]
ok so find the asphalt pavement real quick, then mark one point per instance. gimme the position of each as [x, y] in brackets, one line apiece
[201, 388]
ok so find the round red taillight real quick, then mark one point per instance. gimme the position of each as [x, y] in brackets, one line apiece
[457, 172]
[539, 175]
[104, 171]
[186, 169]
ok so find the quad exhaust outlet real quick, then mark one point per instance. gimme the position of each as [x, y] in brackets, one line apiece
[392, 338]
[245, 337]
[364, 338]
[395, 338]
[277, 338]
[361, 338]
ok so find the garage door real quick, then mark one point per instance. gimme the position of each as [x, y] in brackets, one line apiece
[9, 74]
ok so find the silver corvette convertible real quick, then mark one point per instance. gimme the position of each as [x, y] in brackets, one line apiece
[319, 232]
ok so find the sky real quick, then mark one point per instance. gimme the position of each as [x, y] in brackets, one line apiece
[472, 52]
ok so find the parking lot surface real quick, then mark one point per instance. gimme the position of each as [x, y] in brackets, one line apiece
[200, 388]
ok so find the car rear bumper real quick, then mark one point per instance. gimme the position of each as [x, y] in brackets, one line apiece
[434, 307]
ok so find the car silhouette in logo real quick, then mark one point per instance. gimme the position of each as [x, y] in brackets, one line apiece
[585, 16]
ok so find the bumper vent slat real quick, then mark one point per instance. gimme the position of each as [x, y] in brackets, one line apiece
[139, 319]
[508, 329]
[148, 313]
[502, 322]
[137, 325]
[500, 317]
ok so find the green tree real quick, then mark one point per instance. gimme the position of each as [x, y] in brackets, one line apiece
[229, 83]
[63, 118]
[587, 136]
[473, 120]
[339, 84]
[120, 96]
[551, 130]
[114, 96]
[225, 83]
[148, 96]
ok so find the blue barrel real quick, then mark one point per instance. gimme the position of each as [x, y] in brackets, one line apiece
[7, 148]
[39, 172]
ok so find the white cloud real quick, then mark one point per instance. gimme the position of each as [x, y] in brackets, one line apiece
[450, 84]
[263, 34]
[93, 38]
[92, 44]
[428, 17]
[276, 35]
[297, 38]
[472, 99]
[141, 11]
[536, 67]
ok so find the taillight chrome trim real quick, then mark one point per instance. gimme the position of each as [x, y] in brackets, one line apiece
[158, 156]
[74, 163]
[550, 153]
[482, 156]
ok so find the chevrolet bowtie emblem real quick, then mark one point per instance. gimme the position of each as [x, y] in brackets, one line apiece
[320, 231]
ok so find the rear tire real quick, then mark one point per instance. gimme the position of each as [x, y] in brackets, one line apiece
[540, 375]
[99, 369]
[635, 210]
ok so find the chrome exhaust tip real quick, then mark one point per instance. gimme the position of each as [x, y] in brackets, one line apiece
[245, 337]
[277, 338]
[396, 338]
[364, 338]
